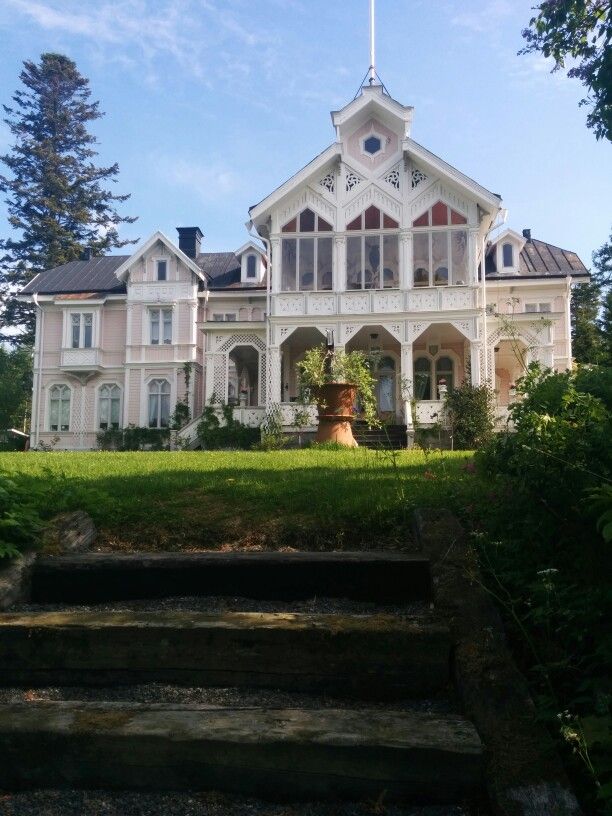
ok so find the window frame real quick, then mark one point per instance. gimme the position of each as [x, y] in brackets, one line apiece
[161, 324]
[507, 245]
[82, 328]
[60, 428]
[433, 370]
[101, 387]
[159, 395]
[538, 307]
[166, 264]
[298, 236]
[380, 233]
[251, 272]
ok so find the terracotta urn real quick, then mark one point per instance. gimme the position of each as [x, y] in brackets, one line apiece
[336, 414]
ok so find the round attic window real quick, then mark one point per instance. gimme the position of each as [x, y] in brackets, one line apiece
[372, 145]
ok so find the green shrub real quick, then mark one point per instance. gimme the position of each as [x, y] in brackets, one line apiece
[134, 439]
[232, 434]
[470, 415]
[20, 523]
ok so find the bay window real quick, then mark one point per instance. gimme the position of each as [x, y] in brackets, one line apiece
[306, 259]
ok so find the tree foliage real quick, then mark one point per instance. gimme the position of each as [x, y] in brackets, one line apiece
[587, 344]
[580, 31]
[602, 261]
[57, 199]
[15, 387]
[605, 325]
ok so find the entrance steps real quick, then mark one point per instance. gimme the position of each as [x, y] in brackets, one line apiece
[370, 742]
[388, 437]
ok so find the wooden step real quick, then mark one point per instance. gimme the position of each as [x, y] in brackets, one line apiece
[282, 754]
[88, 578]
[364, 656]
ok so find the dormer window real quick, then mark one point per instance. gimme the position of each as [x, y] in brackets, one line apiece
[162, 270]
[508, 256]
[251, 271]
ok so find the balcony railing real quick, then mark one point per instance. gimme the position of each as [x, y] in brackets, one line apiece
[385, 301]
[80, 358]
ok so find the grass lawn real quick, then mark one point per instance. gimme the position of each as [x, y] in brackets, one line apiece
[306, 499]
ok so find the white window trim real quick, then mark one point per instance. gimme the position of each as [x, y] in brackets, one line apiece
[48, 407]
[538, 304]
[442, 352]
[98, 429]
[163, 374]
[158, 307]
[429, 231]
[169, 271]
[95, 325]
[376, 135]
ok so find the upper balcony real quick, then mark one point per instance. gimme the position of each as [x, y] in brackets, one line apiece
[379, 301]
[81, 362]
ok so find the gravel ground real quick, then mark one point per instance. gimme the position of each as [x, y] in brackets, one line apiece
[103, 803]
[340, 606]
[222, 697]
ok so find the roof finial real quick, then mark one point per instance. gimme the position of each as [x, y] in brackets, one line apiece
[372, 70]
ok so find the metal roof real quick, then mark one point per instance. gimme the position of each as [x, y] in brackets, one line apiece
[540, 260]
[95, 275]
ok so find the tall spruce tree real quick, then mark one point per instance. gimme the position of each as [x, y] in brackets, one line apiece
[605, 325]
[602, 261]
[587, 343]
[57, 198]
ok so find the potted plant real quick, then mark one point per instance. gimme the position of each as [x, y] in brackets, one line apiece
[338, 381]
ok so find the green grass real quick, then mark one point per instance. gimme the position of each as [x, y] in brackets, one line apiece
[307, 499]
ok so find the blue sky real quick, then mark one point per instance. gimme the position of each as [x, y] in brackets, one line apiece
[211, 104]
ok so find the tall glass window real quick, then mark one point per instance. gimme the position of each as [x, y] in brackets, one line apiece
[372, 259]
[59, 408]
[161, 326]
[159, 404]
[508, 255]
[81, 330]
[306, 259]
[440, 256]
[109, 408]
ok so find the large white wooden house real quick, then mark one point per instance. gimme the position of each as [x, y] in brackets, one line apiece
[377, 239]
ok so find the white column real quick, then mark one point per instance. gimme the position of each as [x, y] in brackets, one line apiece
[275, 270]
[209, 377]
[473, 256]
[475, 351]
[405, 259]
[406, 381]
[339, 283]
[274, 389]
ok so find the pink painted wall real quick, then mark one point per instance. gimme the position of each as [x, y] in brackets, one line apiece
[372, 162]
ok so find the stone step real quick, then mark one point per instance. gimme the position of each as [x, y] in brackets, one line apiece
[380, 577]
[367, 656]
[282, 754]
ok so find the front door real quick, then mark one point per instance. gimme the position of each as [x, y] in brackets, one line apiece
[385, 390]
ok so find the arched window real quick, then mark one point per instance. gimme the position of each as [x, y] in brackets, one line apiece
[159, 404]
[422, 378]
[444, 373]
[440, 255]
[306, 259]
[109, 407]
[251, 266]
[508, 255]
[372, 259]
[59, 408]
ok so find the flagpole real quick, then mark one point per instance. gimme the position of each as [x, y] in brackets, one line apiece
[372, 44]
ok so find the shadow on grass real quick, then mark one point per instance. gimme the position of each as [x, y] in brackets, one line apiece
[303, 499]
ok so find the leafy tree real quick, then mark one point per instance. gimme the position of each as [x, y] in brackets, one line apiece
[56, 196]
[15, 387]
[586, 336]
[606, 329]
[579, 30]
[602, 261]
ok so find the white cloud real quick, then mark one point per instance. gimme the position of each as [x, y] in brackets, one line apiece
[487, 17]
[210, 181]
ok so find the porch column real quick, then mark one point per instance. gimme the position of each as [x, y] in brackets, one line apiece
[339, 271]
[209, 386]
[275, 270]
[475, 353]
[405, 259]
[274, 390]
[473, 255]
[407, 382]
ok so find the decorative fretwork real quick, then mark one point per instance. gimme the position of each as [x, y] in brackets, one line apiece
[393, 178]
[352, 180]
[417, 176]
[328, 182]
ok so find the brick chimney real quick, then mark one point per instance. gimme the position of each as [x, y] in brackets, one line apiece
[527, 234]
[189, 240]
